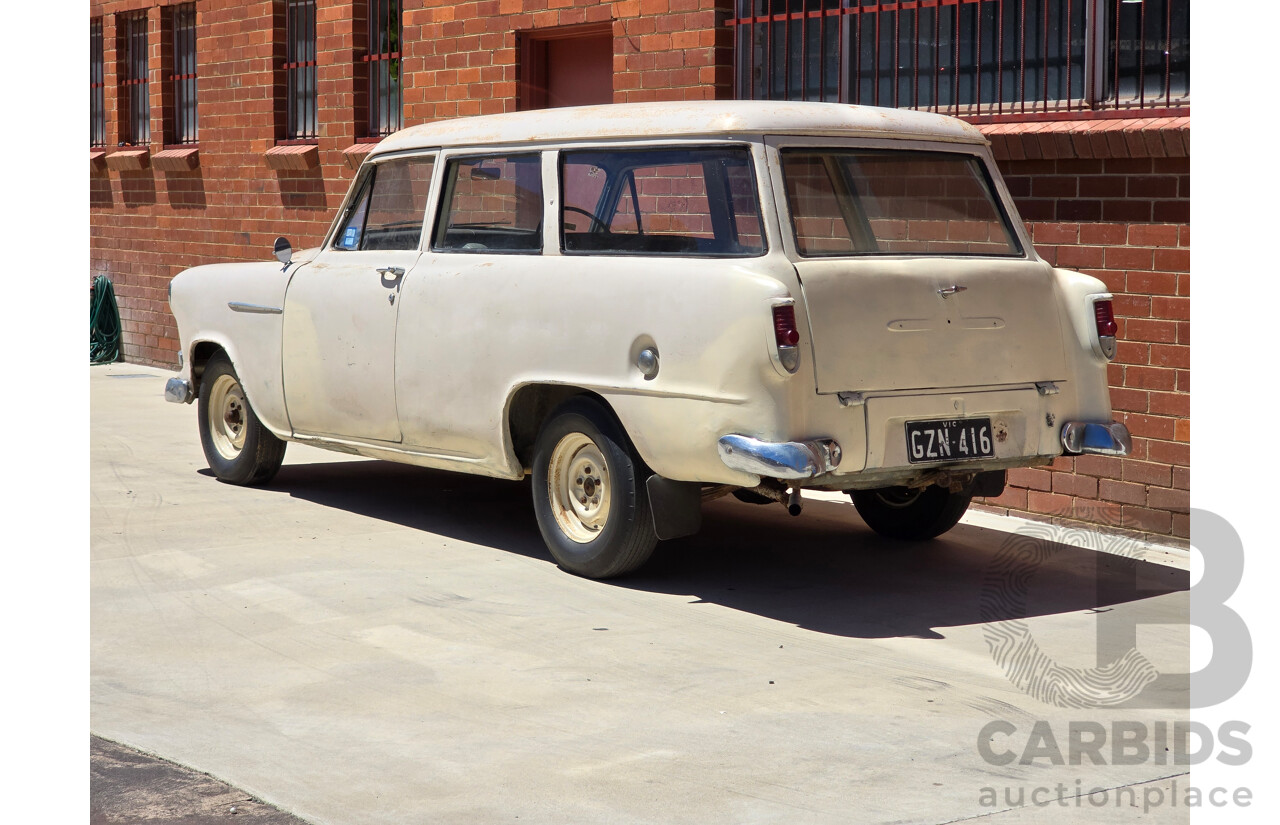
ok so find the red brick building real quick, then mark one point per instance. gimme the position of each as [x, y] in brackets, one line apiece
[217, 125]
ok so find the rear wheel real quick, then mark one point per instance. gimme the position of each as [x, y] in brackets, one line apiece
[588, 493]
[911, 513]
[239, 449]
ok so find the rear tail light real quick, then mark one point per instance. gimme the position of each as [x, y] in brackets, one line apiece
[1105, 320]
[784, 326]
[786, 335]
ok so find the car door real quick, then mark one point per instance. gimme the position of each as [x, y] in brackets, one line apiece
[340, 310]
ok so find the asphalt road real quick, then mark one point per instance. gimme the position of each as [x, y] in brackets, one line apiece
[366, 642]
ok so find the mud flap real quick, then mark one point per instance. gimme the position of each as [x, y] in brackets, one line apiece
[676, 507]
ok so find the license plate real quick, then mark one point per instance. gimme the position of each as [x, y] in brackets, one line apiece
[954, 440]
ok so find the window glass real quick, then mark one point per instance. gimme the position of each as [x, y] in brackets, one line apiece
[493, 204]
[349, 233]
[97, 93]
[383, 67]
[699, 201]
[398, 205]
[846, 202]
[183, 128]
[301, 114]
[135, 127]
[390, 207]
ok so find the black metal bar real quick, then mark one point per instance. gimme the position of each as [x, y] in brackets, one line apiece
[1000, 57]
[1115, 57]
[1044, 50]
[1168, 50]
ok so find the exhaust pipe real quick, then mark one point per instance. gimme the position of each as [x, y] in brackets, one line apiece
[794, 505]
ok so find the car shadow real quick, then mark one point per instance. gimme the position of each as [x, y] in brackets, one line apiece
[824, 570]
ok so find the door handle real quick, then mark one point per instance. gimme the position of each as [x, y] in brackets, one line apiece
[394, 271]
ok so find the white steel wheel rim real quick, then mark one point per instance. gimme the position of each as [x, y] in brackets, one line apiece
[227, 417]
[578, 488]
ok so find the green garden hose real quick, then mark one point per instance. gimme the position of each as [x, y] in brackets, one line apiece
[104, 323]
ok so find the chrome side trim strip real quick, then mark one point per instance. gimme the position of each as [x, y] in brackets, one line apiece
[259, 309]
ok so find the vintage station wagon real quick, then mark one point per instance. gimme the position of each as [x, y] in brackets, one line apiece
[646, 306]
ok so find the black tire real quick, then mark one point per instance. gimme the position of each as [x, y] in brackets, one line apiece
[583, 452]
[911, 514]
[238, 448]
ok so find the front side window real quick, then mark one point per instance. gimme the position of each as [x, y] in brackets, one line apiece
[493, 204]
[872, 202]
[382, 60]
[389, 207]
[699, 201]
[135, 126]
[300, 70]
[183, 73]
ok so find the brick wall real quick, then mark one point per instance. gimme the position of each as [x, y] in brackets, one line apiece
[148, 224]
[1124, 219]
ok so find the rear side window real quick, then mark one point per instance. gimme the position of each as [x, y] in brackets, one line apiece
[696, 201]
[389, 207]
[852, 202]
[492, 204]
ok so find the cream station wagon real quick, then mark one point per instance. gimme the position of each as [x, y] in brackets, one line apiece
[647, 306]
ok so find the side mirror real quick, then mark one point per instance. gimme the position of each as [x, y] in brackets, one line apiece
[284, 252]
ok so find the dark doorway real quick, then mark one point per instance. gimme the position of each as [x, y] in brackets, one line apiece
[571, 66]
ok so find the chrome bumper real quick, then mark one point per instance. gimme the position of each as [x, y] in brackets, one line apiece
[1100, 439]
[788, 459]
[178, 390]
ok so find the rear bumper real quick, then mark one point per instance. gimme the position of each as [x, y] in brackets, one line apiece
[787, 459]
[1100, 439]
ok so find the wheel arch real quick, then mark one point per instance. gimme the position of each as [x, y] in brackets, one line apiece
[200, 355]
[528, 407]
[264, 394]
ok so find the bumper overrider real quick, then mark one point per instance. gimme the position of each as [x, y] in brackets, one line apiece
[786, 459]
[178, 390]
[1080, 437]
[807, 459]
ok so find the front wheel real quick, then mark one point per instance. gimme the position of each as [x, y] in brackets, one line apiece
[588, 493]
[911, 514]
[239, 449]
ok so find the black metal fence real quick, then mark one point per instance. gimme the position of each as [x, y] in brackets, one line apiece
[981, 58]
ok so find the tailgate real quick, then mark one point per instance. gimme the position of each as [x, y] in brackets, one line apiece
[922, 323]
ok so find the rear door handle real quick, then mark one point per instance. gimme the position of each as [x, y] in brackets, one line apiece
[393, 271]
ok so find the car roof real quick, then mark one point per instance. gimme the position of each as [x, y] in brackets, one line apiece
[681, 119]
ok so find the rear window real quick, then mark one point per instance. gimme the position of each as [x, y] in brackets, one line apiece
[695, 201]
[868, 202]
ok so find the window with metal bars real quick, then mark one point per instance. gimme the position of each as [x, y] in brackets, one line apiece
[301, 114]
[967, 57]
[184, 125]
[97, 86]
[383, 66]
[135, 100]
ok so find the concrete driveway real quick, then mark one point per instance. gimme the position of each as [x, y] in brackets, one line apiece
[365, 642]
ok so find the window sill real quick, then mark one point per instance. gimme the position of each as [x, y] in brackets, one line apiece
[131, 159]
[355, 154]
[97, 160]
[1151, 137]
[297, 157]
[180, 159]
